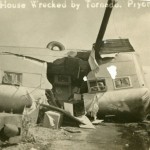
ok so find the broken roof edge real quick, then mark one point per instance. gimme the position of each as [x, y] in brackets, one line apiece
[42, 48]
[9, 53]
[38, 54]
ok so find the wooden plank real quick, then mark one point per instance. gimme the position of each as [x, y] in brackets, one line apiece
[50, 107]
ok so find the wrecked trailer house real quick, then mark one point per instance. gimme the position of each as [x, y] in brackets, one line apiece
[24, 84]
[107, 81]
[21, 79]
[37, 66]
[116, 83]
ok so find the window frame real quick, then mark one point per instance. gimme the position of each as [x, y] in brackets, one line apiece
[122, 87]
[97, 86]
[11, 82]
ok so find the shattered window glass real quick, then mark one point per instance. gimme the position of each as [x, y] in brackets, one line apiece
[12, 78]
[123, 82]
[97, 85]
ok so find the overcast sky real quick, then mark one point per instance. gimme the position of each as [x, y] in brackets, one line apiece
[76, 29]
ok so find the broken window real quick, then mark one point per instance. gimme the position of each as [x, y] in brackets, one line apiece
[12, 78]
[97, 85]
[123, 82]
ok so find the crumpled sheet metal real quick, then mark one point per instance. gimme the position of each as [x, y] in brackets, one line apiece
[128, 103]
[14, 99]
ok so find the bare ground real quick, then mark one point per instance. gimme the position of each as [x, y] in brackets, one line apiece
[106, 136]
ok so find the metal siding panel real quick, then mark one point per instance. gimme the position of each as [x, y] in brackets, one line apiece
[31, 80]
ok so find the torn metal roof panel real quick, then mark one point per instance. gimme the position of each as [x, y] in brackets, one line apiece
[116, 46]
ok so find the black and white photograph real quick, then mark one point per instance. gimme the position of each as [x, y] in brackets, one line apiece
[74, 74]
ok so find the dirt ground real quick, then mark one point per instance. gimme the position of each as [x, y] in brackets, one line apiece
[106, 136]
